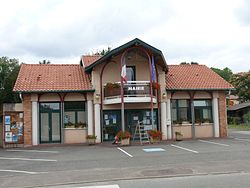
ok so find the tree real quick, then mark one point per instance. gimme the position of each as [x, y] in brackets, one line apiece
[103, 51]
[241, 82]
[46, 62]
[9, 69]
[225, 73]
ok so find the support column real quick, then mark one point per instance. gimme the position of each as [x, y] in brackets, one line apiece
[34, 123]
[169, 122]
[97, 123]
[216, 117]
[90, 117]
[164, 121]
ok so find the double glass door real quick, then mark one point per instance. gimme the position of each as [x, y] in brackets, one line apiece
[50, 122]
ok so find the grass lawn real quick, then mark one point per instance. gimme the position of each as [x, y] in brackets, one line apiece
[240, 127]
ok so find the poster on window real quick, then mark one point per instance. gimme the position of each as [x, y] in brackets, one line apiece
[114, 119]
[7, 120]
[135, 118]
[21, 115]
[7, 128]
[8, 136]
[148, 127]
[107, 122]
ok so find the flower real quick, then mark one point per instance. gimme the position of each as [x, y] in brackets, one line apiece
[110, 85]
[155, 134]
[123, 135]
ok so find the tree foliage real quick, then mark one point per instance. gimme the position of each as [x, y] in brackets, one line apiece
[103, 51]
[225, 73]
[241, 82]
[45, 62]
[9, 69]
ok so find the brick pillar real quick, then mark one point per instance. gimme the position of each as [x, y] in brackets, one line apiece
[222, 114]
[27, 106]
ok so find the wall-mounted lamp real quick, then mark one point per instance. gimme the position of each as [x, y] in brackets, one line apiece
[164, 95]
[97, 96]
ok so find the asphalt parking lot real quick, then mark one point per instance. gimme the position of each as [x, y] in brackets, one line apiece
[67, 165]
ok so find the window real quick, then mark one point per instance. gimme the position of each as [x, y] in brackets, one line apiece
[203, 111]
[130, 71]
[181, 111]
[75, 114]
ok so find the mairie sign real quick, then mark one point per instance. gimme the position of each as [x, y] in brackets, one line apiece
[135, 88]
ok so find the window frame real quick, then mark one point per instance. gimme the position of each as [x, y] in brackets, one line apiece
[208, 107]
[178, 109]
[76, 110]
[134, 70]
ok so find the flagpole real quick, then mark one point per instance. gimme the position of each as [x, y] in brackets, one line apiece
[152, 79]
[122, 92]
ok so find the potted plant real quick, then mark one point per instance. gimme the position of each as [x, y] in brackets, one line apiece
[178, 136]
[155, 136]
[123, 138]
[91, 139]
[112, 89]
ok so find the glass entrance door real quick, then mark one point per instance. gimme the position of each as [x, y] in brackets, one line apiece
[50, 121]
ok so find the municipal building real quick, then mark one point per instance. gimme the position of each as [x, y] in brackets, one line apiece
[62, 103]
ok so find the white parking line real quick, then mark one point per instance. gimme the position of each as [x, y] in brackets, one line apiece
[216, 143]
[242, 139]
[125, 152]
[31, 151]
[28, 159]
[101, 186]
[184, 148]
[21, 171]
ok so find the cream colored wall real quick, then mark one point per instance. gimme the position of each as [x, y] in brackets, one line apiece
[53, 97]
[111, 72]
[202, 95]
[49, 97]
[75, 136]
[74, 97]
[185, 95]
[204, 131]
[186, 130]
[181, 95]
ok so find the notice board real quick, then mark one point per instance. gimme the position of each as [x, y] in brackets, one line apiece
[13, 127]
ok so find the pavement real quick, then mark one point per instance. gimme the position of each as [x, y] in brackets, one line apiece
[68, 166]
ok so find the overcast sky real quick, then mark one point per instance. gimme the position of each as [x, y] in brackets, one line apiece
[213, 32]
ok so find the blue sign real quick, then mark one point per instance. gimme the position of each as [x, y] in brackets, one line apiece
[7, 120]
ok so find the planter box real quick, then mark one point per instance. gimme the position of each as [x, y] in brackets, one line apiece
[152, 140]
[178, 137]
[125, 142]
[91, 141]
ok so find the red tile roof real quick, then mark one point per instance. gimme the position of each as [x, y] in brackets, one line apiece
[194, 77]
[89, 59]
[42, 77]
